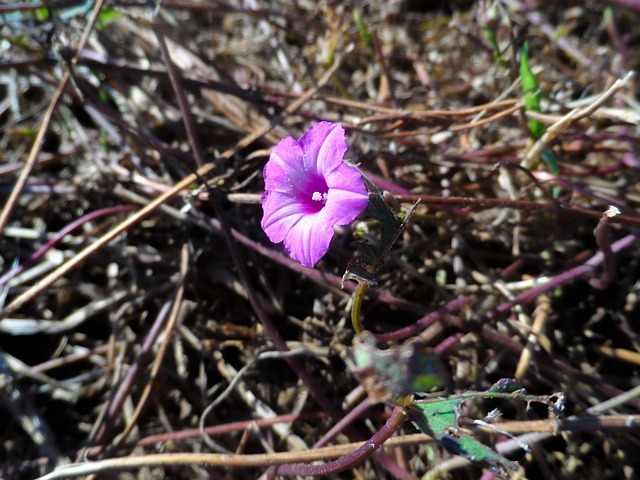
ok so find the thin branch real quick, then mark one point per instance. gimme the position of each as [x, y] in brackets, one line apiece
[32, 159]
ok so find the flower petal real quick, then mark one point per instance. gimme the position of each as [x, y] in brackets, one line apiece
[285, 172]
[347, 196]
[281, 213]
[343, 206]
[345, 177]
[308, 190]
[309, 239]
[324, 146]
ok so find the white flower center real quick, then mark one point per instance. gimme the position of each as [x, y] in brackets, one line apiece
[319, 197]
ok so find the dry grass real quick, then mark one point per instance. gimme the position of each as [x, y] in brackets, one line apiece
[137, 281]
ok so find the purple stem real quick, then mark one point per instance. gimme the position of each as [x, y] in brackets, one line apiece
[298, 367]
[348, 461]
[324, 278]
[447, 343]
[497, 339]
[385, 184]
[348, 419]
[609, 265]
[588, 267]
[143, 359]
[60, 235]
[531, 295]
[425, 321]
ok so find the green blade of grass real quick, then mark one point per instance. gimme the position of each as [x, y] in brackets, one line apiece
[531, 91]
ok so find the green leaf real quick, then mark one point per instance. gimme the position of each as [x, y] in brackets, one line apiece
[550, 159]
[107, 17]
[391, 226]
[529, 82]
[358, 272]
[492, 38]
[42, 14]
[392, 374]
[389, 221]
[365, 35]
[439, 419]
[531, 91]
[489, 18]
[368, 253]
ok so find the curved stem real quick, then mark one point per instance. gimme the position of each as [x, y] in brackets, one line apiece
[356, 320]
[394, 422]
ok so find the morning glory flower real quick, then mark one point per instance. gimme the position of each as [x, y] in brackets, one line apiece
[308, 190]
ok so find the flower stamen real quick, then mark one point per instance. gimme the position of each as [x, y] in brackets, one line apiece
[319, 197]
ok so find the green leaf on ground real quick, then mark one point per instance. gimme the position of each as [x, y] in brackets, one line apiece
[390, 375]
[438, 417]
[531, 91]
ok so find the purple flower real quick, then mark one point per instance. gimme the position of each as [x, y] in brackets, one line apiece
[309, 189]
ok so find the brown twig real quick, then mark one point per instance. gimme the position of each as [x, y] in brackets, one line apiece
[540, 317]
[203, 171]
[167, 336]
[32, 159]
[601, 233]
[550, 426]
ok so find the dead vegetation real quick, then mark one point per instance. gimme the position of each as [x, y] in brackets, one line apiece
[137, 283]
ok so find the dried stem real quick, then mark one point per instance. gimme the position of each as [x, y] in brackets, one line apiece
[602, 237]
[44, 126]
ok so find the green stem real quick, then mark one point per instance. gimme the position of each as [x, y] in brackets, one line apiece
[355, 309]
